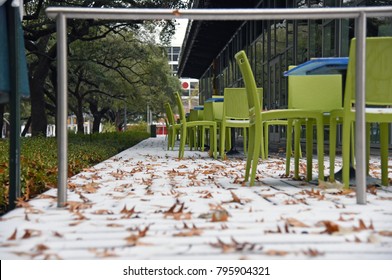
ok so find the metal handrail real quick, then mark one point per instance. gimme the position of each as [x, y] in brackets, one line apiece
[360, 15]
[216, 14]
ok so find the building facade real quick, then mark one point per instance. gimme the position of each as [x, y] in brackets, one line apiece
[273, 45]
[189, 86]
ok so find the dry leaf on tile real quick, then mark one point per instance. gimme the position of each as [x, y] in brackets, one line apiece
[295, 223]
[235, 246]
[279, 253]
[102, 212]
[13, 235]
[313, 253]
[31, 233]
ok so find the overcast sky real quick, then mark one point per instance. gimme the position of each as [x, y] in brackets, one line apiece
[180, 32]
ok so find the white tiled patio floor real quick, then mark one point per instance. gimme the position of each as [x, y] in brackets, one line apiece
[144, 203]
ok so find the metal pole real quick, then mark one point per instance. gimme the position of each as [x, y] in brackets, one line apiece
[14, 159]
[62, 104]
[360, 125]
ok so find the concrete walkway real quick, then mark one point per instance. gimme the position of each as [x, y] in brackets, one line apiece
[144, 203]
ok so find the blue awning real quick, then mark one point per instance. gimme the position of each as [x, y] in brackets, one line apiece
[5, 84]
[318, 66]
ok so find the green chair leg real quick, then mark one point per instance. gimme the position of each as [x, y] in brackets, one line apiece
[346, 155]
[320, 147]
[332, 148]
[384, 153]
[309, 149]
[289, 149]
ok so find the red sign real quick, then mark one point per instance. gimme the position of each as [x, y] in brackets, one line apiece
[185, 85]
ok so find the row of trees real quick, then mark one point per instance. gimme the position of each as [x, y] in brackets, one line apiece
[112, 65]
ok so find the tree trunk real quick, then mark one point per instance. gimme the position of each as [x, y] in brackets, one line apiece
[39, 120]
[97, 114]
[96, 123]
[79, 117]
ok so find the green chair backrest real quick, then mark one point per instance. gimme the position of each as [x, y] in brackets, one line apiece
[169, 114]
[378, 72]
[315, 92]
[193, 115]
[213, 111]
[180, 106]
[236, 103]
[251, 88]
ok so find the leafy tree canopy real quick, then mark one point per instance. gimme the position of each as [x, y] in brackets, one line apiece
[105, 69]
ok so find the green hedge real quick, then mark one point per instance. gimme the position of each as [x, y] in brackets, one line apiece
[39, 158]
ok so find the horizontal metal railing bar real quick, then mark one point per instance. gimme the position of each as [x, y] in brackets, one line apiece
[216, 14]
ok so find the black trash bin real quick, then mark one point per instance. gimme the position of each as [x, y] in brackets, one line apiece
[153, 130]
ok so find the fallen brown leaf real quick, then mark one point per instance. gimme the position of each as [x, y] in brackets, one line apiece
[179, 214]
[234, 245]
[51, 257]
[385, 233]
[133, 239]
[276, 253]
[13, 235]
[313, 194]
[119, 174]
[105, 253]
[342, 219]
[90, 188]
[330, 227]
[362, 226]
[313, 253]
[220, 216]
[384, 198]
[127, 213]
[79, 216]
[271, 231]
[41, 247]
[102, 212]
[76, 205]
[46, 196]
[371, 189]
[82, 197]
[114, 225]
[224, 226]
[295, 223]
[31, 233]
[57, 234]
[189, 233]
[235, 197]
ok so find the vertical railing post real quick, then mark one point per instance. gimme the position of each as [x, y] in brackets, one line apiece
[360, 125]
[14, 151]
[62, 137]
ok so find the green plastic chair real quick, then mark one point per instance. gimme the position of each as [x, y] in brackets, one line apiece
[172, 128]
[257, 118]
[194, 133]
[235, 115]
[311, 92]
[378, 97]
[213, 112]
[197, 123]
